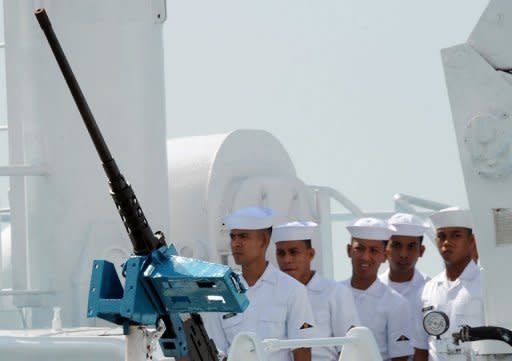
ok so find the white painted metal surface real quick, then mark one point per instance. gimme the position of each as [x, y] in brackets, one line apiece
[77, 344]
[359, 344]
[142, 344]
[482, 108]
[481, 103]
[203, 171]
[63, 219]
[492, 33]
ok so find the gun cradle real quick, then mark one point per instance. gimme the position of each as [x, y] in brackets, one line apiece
[162, 285]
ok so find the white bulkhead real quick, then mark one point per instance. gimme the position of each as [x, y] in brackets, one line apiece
[479, 86]
[62, 214]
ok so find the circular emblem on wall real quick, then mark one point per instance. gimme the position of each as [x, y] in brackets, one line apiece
[488, 139]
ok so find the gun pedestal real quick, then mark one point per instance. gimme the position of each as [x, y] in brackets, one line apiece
[141, 343]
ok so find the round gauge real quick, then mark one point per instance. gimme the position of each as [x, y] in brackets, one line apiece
[436, 323]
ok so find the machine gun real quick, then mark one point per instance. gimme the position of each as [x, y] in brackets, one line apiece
[160, 285]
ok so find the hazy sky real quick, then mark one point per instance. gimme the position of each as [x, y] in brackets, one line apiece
[354, 89]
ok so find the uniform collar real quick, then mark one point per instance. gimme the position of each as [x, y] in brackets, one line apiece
[417, 277]
[315, 283]
[376, 288]
[269, 275]
[470, 272]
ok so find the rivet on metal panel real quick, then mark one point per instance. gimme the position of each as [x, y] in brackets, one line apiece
[159, 11]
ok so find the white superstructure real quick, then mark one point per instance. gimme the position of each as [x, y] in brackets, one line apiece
[118, 60]
[62, 216]
[480, 88]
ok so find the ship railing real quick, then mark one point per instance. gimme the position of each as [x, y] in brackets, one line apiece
[25, 298]
[328, 199]
[359, 344]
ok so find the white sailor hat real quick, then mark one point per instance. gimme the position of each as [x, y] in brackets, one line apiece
[249, 218]
[295, 231]
[408, 225]
[371, 228]
[452, 217]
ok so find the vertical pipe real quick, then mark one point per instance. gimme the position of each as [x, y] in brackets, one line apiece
[136, 344]
[323, 203]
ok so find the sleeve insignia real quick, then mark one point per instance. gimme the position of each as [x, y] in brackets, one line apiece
[402, 338]
[305, 325]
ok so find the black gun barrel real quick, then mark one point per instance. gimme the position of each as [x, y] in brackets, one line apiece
[142, 237]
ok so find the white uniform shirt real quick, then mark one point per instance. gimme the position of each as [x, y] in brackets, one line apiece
[461, 300]
[279, 308]
[386, 313]
[408, 289]
[335, 313]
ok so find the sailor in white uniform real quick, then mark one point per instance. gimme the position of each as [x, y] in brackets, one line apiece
[456, 291]
[279, 306]
[333, 304]
[403, 251]
[384, 311]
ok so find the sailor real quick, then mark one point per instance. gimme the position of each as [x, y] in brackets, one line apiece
[279, 306]
[403, 251]
[456, 291]
[380, 308]
[333, 304]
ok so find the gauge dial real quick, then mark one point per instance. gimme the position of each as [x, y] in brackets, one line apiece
[436, 323]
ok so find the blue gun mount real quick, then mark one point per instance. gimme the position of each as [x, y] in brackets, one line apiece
[161, 285]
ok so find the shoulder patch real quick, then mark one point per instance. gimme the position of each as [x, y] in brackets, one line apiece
[305, 325]
[428, 308]
[402, 338]
[228, 315]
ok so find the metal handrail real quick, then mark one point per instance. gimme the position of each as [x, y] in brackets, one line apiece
[343, 200]
[10, 292]
[22, 170]
[405, 202]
